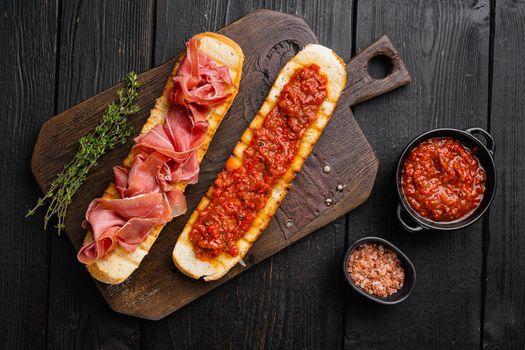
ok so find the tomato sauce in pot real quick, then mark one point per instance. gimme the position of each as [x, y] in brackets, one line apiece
[442, 180]
[242, 192]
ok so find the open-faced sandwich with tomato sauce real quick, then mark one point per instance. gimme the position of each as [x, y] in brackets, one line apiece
[148, 188]
[246, 194]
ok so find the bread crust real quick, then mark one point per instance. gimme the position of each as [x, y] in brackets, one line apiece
[333, 67]
[119, 264]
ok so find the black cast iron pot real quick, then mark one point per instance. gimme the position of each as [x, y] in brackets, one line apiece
[485, 155]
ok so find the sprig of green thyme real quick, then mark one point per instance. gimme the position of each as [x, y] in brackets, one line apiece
[111, 132]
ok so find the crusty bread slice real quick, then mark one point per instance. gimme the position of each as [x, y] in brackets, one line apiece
[119, 264]
[334, 69]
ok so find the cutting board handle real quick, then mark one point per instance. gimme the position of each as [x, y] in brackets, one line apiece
[361, 86]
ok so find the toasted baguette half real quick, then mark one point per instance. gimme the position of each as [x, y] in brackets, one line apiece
[118, 265]
[334, 69]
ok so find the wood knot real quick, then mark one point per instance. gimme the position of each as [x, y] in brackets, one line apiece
[275, 58]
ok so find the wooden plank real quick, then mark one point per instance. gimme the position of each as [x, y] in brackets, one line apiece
[177, 22]
[307, 313]
[27, 53]
[445, 45]
[148, 293]
[100, 43]
[505, 266]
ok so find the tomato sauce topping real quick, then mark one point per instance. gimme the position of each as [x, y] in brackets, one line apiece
[242, 192]
[442, 180]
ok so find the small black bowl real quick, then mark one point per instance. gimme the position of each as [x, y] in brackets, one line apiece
[410, 272]
[485, 156]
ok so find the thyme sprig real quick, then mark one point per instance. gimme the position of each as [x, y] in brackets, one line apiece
[111, 132]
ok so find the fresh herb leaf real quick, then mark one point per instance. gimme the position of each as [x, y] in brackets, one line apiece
[111, 132]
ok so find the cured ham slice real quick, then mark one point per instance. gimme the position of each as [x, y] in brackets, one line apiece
[123, 220]
[164, 157]
[203, 83]
[176, 139]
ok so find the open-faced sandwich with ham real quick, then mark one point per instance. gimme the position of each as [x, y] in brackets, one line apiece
[256, 177]
[148, 188]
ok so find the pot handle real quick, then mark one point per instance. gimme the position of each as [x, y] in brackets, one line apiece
[491, 144]
[403, 223]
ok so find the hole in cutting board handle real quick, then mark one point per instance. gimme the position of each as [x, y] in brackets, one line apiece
[380, 66]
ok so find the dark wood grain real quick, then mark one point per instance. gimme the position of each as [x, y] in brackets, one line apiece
[176, 23]
[445, 46]
[27, 53]
[100, 43]
[505, 280]
[150, 294]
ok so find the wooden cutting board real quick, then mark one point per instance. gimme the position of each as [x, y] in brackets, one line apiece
[157, 288]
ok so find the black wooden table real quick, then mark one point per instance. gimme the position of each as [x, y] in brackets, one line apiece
[466, 60]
